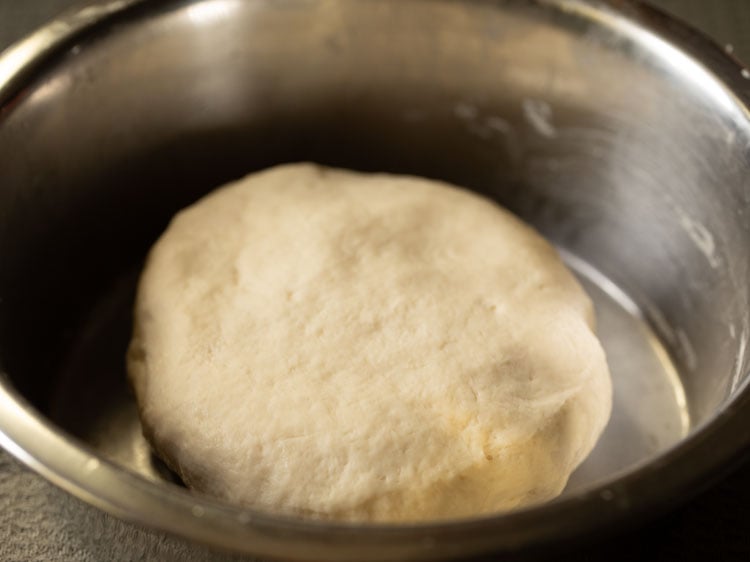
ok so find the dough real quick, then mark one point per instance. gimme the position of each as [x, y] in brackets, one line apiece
[321, 343]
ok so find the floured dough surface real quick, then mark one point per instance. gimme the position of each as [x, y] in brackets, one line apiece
[322, 343]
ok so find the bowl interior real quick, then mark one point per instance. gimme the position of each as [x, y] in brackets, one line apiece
[630, 156]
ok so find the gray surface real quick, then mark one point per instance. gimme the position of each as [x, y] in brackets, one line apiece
[726, 21]
[39, 522]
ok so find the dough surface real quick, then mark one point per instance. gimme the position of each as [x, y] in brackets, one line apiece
[321, 343]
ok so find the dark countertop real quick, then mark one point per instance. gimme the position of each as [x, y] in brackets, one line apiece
[39, 522]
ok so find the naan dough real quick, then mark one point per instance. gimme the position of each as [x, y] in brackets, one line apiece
[323, 343]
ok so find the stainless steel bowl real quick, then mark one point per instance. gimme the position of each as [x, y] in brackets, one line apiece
[621, 134]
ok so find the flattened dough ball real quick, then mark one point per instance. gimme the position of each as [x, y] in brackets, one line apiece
[322, 343]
